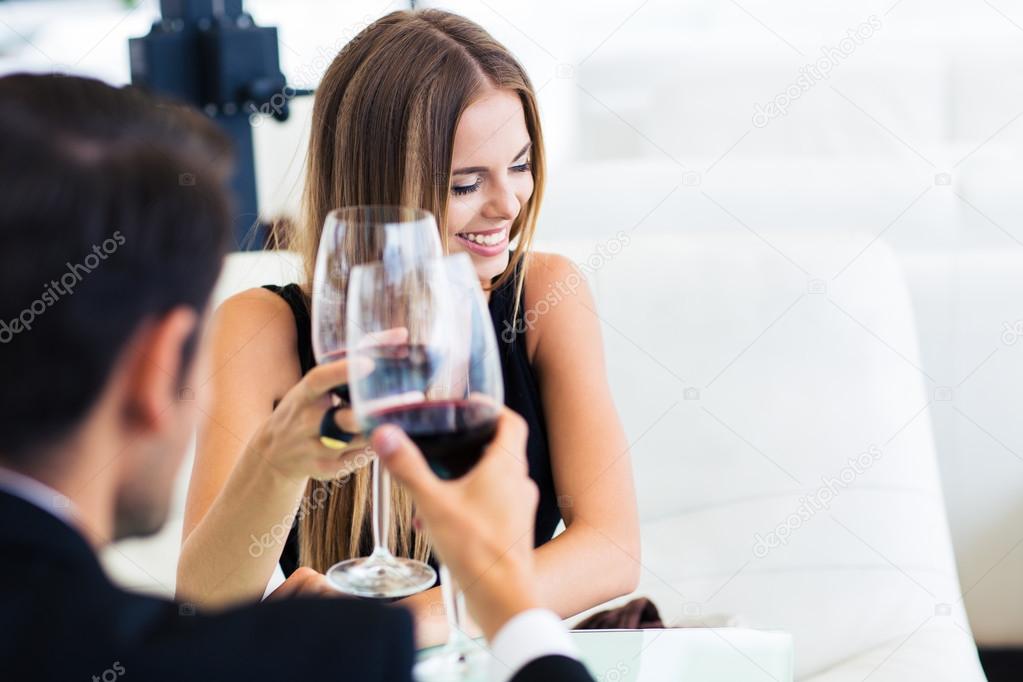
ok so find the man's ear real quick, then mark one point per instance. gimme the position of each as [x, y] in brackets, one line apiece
[160, 364]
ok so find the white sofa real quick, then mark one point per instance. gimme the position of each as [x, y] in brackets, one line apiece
[744, 387]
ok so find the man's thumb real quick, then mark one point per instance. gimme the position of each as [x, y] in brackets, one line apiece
[403, 459]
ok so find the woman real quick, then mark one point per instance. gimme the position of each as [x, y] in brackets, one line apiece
[422, 108]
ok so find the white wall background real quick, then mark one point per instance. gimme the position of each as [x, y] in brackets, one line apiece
[914, 138]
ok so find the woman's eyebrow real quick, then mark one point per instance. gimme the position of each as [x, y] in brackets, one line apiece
[481, 169]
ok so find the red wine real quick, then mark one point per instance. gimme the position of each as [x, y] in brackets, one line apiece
[451, 434]
[342, 390]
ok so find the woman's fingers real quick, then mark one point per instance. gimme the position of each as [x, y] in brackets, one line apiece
[294, 584]
[332, 464]
[304, 581]
[318, 424]
[345, 419]
[322, 378]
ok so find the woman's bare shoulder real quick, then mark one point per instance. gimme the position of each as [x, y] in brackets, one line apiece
[551, 277]
[554, 289]
[255, 329]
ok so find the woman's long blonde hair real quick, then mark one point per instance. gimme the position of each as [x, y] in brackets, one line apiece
[383, 130]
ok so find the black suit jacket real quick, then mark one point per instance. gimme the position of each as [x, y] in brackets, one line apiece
[62, 619]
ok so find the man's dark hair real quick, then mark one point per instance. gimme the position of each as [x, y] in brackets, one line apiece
[113, 210]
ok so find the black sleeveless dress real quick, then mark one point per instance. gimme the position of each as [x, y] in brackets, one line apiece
[521, 394]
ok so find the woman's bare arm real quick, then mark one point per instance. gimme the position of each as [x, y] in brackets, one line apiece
[589, 453]
[232, 503]
[252, 461]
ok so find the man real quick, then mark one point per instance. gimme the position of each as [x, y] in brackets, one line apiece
[113, 224]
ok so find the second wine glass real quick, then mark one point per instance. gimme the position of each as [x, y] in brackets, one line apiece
[436, 374]
[397, 237]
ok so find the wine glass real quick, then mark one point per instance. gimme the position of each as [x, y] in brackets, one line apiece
[399, 237]
[436, 374]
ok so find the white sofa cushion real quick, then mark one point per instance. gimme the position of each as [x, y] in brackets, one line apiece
[746, 384]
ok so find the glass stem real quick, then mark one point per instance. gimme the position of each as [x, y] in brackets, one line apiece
[381, 509]
[454, 608]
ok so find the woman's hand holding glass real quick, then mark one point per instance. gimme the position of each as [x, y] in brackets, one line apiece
[289, 441]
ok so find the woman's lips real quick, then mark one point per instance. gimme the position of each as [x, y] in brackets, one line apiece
[485, 242]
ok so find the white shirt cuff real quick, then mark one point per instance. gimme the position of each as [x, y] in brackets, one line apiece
[528, 636]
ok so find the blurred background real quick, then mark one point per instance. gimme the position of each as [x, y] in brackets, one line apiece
[874, 127]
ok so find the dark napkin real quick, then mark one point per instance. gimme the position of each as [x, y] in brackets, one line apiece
[638, 614]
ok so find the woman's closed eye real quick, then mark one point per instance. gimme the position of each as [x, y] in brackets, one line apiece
[468, 189]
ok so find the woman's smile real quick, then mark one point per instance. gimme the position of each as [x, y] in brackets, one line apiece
[486, 243]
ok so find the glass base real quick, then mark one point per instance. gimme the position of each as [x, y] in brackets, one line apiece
[381, 577]
[448, 665]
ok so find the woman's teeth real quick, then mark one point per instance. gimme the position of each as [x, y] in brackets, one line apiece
[484, 239]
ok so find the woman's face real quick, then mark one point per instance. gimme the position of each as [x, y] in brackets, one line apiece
[491, 180]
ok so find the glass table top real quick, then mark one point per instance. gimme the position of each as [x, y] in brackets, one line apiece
[682, 655]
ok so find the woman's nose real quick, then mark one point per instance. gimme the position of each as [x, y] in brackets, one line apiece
[502, 204]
